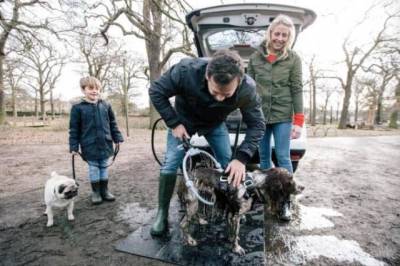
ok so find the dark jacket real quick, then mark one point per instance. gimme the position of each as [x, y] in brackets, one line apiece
[279, 85]
[198, 111]
[93, 127]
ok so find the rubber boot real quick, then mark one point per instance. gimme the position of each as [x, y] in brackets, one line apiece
[165, 191]
[104, 193]
[95, 197]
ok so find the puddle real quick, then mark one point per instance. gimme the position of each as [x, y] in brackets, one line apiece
[299, 250]
[135, 215]
[313, 218]
[346, 251]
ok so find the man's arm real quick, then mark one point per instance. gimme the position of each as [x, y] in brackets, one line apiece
[167, 86]
[253, 116]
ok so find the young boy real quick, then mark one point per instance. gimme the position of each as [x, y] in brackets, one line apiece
[93, 127]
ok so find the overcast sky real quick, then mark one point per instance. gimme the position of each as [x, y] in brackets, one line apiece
[335, 20]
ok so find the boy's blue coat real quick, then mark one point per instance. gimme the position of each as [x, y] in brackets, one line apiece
[93, 127]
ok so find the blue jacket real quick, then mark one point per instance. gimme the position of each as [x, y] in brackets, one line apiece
[199, 112]
[93, 127]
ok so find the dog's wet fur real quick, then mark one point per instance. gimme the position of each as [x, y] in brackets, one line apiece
[275, 185]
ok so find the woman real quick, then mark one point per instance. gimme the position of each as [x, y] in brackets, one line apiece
[277, 72]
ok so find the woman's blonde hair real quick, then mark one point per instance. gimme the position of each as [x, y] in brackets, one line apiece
[285, 21]
[91, 82]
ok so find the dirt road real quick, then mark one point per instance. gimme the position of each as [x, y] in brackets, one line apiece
[356, 178]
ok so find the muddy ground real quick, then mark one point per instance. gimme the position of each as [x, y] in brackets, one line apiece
[357, 177]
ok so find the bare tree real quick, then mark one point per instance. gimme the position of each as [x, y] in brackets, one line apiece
[45, 66]
[370, 99]
[314, 74]
[358, 90]
[17, 23]
[385, 71]
[97, 57]
[13, 77]
[327, 94]
[131, 73]
[148, 26]
[355, 58]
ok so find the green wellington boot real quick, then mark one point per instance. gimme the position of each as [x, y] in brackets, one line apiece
[104, 193]
[165, 191]
[95, 197]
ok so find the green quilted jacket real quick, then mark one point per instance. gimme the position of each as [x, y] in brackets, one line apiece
[279, 84]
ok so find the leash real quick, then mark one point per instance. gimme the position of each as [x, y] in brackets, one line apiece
[116, 151]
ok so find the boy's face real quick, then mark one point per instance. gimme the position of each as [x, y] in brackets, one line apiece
[91, 93]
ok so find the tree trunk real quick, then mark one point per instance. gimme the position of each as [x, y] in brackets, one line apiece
[346, 102]
[2, 102]
[42, 104]
[395, 114]
[378, 117]
[125, 89]
[356, 114]
[153, 45]
[14, 101]
[311, 106]
[52, 105]
[314, 93]
[36, 105]
[126, 110]
[393, 119]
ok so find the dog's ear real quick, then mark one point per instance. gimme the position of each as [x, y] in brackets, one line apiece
[61, 189]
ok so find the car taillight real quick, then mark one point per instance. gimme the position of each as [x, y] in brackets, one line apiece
[295, 157]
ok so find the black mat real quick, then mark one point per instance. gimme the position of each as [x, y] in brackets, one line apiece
[213, 246]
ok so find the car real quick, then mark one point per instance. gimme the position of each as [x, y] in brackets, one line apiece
[241, 27]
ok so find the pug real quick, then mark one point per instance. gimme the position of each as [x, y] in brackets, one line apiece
[60, 192]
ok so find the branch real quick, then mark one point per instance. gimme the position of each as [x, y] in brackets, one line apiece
[170, 52]
[332, 77]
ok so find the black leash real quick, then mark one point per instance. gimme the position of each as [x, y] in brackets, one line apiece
[116, 150]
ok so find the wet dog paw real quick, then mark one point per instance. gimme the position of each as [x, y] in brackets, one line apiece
[202, 221]
[239, 250]
[191, 242]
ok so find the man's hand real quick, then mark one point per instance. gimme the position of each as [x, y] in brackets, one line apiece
[237, 172]
[296, 132]
[180, 132]
[74, 152]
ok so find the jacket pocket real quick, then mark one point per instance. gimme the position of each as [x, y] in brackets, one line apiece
[86, 142]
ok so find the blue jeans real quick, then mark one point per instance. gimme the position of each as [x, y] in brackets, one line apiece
[218, 138]
[98, 170]
[281, 133]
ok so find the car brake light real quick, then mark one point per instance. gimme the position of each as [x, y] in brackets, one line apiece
[295, 157]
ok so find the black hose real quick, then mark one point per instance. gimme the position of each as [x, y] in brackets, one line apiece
[236, 138]
[153, 130]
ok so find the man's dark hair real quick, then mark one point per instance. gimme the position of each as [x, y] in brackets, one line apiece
[224, 66]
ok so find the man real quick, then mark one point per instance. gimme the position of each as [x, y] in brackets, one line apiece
[206, 92]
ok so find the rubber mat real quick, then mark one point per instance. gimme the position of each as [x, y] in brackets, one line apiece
[213, 246]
